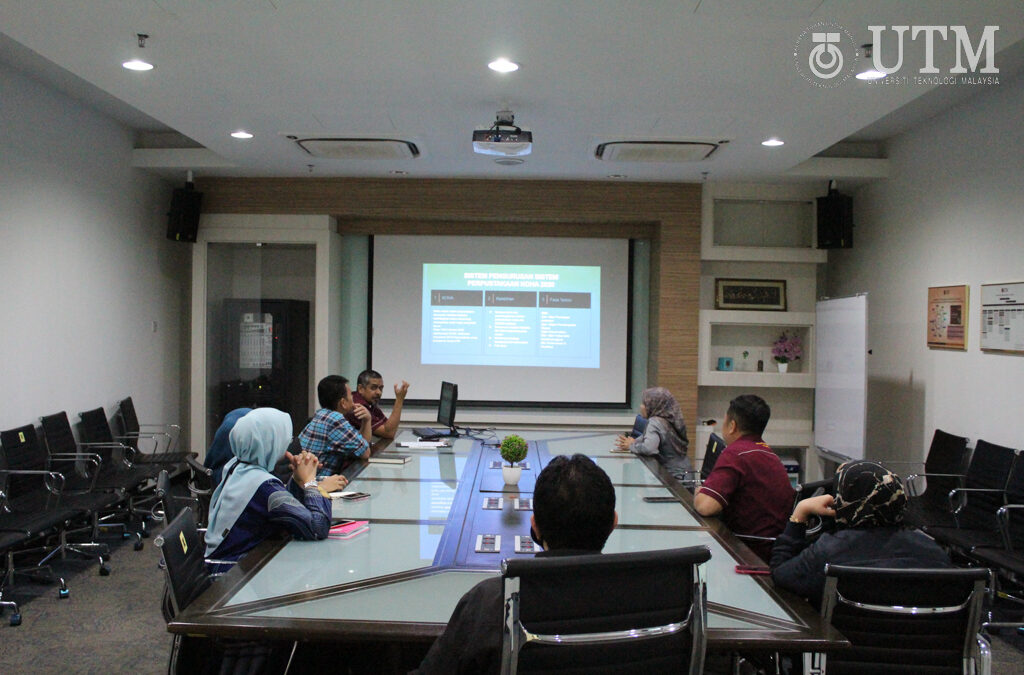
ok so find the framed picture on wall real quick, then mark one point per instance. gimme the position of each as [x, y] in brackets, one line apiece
[947, 317]
[1002, 317]
[761, 294]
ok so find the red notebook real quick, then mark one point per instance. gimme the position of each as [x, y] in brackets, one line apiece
[348, 529]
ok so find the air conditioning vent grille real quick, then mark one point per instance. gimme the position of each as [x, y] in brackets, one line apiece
[358, 148]
[655, 151]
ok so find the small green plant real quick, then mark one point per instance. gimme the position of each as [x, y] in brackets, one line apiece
[513, 449]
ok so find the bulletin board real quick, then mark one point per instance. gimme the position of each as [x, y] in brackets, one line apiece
[947, 317]
[1002, 317]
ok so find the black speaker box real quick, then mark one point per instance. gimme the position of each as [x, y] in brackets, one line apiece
[183, 216]
[835, 220]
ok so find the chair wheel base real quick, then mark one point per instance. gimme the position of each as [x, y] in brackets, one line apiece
[15, 619]
[104, 570]
[138, 545]
[63, 593]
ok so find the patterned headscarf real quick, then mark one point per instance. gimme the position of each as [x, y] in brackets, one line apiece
[660, 402]
[868, 495]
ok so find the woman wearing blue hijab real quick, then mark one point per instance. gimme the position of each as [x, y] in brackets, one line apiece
[251, 504]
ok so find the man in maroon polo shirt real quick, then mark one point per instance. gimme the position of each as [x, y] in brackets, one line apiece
[369, 388]
[748, 488]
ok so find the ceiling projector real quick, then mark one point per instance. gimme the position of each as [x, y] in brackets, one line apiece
[503, 138]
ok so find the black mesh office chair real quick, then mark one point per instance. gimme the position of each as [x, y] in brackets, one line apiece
[906, 620]
[616, 613]
[944, 469]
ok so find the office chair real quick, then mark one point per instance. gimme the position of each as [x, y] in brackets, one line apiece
[133, 432]
[640, 612]
[182, 550]
[905, 620]
[48, 505]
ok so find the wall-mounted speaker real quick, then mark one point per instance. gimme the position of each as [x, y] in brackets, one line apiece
[835, 220]
[183, 216]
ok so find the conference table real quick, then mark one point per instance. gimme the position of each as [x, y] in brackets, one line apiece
[401, 578]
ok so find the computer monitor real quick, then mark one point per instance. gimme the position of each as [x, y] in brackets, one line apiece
[446, 406]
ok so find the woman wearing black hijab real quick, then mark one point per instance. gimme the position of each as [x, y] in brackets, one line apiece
[868, 510]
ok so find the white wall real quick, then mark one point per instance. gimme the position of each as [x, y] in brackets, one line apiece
[952, 212]
[85, 268]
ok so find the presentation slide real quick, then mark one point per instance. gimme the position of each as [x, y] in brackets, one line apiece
[511, 315]
[511, 320]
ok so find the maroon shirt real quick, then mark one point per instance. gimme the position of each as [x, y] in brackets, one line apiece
[753, 488]
[377, 416]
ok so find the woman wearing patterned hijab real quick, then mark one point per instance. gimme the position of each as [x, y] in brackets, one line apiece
[665, 435]
[868, 509]
[251, 504]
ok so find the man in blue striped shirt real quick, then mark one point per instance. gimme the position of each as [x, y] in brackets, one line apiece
[328, 435]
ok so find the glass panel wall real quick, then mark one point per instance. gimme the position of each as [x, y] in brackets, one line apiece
[259, 319]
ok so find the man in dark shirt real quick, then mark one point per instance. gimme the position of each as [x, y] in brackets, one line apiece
[748, 488]
[369, 388]
[573, 514]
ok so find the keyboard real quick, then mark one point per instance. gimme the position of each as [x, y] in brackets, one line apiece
[427, 432]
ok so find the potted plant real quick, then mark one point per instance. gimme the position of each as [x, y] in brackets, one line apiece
[513, 450]
[787, 348]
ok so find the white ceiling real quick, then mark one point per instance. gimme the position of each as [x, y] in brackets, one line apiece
[592, 71]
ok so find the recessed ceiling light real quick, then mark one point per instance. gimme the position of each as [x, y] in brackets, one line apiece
[509, 161]
[772, 142]
[870, 75]
[617, 176]
[137, 65]
[503, 65]
[241, 134]
[398, 172]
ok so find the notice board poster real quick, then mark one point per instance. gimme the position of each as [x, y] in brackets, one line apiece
[1002, 317]
[947, 317]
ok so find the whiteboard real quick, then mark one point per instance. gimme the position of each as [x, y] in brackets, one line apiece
[840, 394]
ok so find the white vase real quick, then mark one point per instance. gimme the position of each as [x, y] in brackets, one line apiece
[783, 367]
[511, 474]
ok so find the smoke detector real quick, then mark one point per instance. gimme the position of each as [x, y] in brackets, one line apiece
[503, 138]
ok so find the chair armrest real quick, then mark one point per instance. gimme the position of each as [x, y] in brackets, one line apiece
[960, 495]
[911, 480]
[128, 452]
[1003, 518]
[84, 458]
[54, 476]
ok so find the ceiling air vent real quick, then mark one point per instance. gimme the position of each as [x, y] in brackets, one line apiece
[358, 148]
[656, 151]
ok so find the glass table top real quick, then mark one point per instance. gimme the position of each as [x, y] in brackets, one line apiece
[386, 548]
[397, 500]
[633, 510]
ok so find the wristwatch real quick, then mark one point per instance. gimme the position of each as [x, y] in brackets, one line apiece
[309, 484]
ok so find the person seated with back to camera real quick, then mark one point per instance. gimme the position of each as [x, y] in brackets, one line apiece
[329, 435]
[573, 514]
[251, 504]
[868, 508]
[665, 435]
[369, 388]
[220, 453]
[749, 487]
